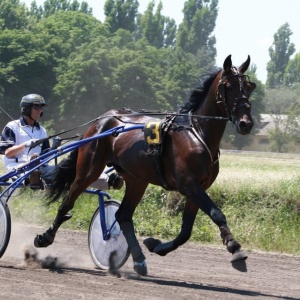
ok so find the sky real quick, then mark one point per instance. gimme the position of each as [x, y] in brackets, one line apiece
[243, 26]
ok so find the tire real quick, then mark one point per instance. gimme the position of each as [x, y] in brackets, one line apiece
[100, 249]
[5, 227]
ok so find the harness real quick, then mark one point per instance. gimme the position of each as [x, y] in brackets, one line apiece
[155, 131]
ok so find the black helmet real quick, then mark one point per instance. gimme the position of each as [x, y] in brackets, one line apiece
[32, 99]
[27, 102]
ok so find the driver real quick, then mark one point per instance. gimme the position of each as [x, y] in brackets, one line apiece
[19, 135]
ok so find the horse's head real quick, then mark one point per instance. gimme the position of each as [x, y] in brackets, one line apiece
[233, 95]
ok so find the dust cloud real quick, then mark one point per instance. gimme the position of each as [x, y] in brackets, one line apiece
[32, 259]
[58, 255]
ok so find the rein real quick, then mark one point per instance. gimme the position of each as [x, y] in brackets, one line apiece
[142, 112]
[175, 114]
[82, 125]
[62, 132]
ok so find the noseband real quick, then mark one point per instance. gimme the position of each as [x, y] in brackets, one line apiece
[221, 97]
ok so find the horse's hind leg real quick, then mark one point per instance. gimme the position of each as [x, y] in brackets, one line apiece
[134, 192]
[188, 219]
[88, 170]
[47, 238]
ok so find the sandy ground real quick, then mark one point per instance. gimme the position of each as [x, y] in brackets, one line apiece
[191, 272]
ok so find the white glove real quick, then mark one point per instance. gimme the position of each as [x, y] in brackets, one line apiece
[29, 143]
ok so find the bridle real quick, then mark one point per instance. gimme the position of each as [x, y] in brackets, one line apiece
[221, 99]
[221, 94]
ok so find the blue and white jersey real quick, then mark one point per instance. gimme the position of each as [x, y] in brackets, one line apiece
[18, 132]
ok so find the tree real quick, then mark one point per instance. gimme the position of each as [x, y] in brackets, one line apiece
[23, 63]
[292, 71]
[280, 53]
[50, 7]
[282, 97]
[65, 31]
[158, 30]
[106, 74]
[195, 31]
[121, 14]
[283, 104]
[13, 15]
[183, 71]
[281, 100]
[29, 59]
[281, 136]
[63, 34]
[294, 108]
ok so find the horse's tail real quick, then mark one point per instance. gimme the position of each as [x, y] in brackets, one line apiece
[64, 176]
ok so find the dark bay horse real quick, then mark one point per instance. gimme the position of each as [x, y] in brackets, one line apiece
[188, 161]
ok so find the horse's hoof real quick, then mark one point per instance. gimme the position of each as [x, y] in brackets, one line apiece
[238, 255]
[164, 248]
[38, 241]
[113, 269]
[140, 268]
[151, 243]
[43, 241]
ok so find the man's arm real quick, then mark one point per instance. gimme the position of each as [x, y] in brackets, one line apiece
[9, 137]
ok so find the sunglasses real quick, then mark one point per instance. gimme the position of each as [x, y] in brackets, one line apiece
[38, 107]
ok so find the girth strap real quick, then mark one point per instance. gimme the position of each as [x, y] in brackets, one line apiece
[154, 133]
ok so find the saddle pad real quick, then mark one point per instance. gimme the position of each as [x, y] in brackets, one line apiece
[153, 132]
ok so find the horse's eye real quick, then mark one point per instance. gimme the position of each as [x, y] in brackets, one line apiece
[249, 87]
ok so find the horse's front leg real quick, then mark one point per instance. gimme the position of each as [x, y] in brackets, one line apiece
[217, 216]
[47, 238]
[133, 195]
[188, 219]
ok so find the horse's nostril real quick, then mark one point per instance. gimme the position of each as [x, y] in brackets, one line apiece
[242, 125]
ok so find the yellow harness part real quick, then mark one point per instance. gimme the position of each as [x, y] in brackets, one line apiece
[152, 132]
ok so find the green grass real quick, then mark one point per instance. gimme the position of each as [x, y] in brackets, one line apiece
[258, 192]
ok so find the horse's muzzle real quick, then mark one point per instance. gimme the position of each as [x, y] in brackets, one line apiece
[244, 126]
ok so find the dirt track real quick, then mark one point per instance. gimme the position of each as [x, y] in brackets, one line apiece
[191, 272]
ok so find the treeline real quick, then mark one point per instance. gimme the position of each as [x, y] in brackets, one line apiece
[84, 67]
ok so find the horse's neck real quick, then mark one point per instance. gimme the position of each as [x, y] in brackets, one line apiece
[211, 129]
[209, 106]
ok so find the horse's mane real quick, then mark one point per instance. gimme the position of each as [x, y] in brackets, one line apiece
[197, 95]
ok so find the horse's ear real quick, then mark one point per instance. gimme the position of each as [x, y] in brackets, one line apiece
[227, 64]
[243, 68]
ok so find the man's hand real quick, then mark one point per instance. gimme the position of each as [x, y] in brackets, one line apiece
[29, 143]
[34, 156]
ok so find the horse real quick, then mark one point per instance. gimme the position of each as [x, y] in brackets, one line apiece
[186, 161]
